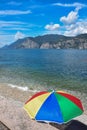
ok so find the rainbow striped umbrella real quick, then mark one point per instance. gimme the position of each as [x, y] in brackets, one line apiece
[53, 106]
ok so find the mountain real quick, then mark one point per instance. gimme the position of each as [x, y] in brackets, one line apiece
[51, 41]
[24, 43]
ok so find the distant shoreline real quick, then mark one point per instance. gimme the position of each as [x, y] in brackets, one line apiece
[50, 41]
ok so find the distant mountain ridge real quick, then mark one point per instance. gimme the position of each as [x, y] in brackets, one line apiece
[51, 41]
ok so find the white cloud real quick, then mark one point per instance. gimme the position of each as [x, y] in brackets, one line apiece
[52, 27]
[8, 28]
[70, 18]
[10, 23]
[73, 15]
[16, 25]
[77, 28]
[76, 4]
[14, 12]
[19, 35]
[72, 24]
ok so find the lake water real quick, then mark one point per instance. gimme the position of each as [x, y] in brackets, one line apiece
[49, 69]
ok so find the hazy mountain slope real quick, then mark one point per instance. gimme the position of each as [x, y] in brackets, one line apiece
[51, 41]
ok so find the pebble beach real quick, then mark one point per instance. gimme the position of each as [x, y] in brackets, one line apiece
[14, 116]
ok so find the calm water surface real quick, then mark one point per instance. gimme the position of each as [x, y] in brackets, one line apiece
[48, 68]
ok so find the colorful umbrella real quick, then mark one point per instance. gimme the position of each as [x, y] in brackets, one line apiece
[53, 106]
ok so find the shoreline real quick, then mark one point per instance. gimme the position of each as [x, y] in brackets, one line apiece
[22, 94]
[13, 99]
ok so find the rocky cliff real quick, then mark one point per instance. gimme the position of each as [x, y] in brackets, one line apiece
[51, 41]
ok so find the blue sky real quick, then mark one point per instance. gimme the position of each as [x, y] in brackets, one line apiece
[23, 18]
